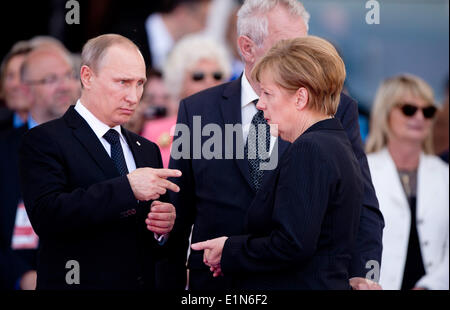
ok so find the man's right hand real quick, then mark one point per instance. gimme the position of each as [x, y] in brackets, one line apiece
[149, 184]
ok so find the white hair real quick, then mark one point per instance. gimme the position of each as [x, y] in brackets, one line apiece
[186, 54]
[252, 17]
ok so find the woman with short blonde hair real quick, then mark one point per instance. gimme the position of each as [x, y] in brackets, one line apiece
[302, 224]
[388, 96]
[312, 63]
[195, 63]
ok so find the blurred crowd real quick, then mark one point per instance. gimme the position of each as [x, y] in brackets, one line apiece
[407, 144]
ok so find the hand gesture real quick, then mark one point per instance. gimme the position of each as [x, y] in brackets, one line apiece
[149, 184]
[212, 253]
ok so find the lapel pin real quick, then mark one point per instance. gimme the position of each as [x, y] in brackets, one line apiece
[137, 142]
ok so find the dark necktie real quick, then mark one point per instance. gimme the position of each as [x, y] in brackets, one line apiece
[252, 148]
[117, 156]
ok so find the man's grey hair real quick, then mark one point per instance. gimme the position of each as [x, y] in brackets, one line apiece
[252, 17]
[53, 47]
[47, 41]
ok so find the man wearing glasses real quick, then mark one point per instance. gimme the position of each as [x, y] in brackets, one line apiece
[48, 76]
[48, 82]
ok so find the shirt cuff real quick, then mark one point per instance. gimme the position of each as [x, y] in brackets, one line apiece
[161, 238]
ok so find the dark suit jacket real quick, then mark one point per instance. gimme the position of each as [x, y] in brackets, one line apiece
[13, 263]
[6, 119]
[215, 194]
[83, 210]
[302, 225]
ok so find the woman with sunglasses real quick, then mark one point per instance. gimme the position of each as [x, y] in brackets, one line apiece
[195, 63]
[411, 186]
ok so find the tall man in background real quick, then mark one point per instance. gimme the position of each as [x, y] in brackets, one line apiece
[215, 194]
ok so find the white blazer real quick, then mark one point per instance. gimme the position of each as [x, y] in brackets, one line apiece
[432, 220]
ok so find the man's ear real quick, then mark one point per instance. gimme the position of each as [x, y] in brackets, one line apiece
[86, 75]
[302, 97]
[247, 48]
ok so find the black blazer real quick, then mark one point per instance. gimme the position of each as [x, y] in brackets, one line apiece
[13, 263]
[215, 194]
[302, 225]
[83, 210]
[6, 119]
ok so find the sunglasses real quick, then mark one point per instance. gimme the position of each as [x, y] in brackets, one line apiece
[200, 76]
[410, 110]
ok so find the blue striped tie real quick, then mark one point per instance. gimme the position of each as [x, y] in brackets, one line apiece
[252, 147]
[113, 138]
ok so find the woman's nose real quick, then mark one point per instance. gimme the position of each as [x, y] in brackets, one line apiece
[419, 115]
[260, 105]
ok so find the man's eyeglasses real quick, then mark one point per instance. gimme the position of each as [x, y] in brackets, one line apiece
[200, 76]
[410, 110]
[53, 79]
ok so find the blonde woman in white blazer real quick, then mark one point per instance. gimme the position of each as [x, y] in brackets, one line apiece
[411, 186]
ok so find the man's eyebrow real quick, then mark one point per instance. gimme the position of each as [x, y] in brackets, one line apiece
[129, 79]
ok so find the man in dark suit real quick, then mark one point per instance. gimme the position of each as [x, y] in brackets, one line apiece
[215, 194]
[49, 98]
[17, 263]
[88, 183]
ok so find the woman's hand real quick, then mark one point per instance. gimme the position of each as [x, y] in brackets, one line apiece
[362, 284]
[212, 253]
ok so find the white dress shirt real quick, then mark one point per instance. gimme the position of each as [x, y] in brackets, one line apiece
[100, 130]
[248, 109]
[159, 39]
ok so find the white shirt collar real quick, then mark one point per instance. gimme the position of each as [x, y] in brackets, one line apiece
[97, 126]
[159, 38]
[248, 93]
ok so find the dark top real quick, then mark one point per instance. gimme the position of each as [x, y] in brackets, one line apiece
[302, 226]
[6, 119]
[82, 209]
[13, 263]
[215, 194]
[414, 268]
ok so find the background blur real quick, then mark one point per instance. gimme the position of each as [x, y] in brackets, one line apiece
[191, 46]
[413, 35]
